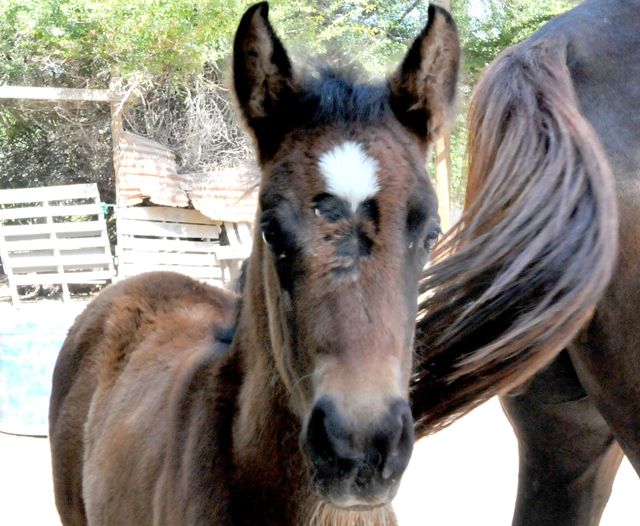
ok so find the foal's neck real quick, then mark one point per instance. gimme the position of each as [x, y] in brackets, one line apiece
[273, 483]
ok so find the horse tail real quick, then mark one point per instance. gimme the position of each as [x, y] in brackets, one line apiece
[520, 274]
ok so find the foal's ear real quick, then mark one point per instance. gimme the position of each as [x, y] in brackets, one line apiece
[262, 74]
[423, 88]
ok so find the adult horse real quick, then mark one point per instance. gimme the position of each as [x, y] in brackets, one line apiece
[554, 160]
[160, 415]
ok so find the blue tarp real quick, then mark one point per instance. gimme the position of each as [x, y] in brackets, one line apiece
[30, 339]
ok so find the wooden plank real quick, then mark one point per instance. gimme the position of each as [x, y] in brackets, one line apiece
[66, 296]
[130, 138]
[209, 272]
[165, 258]
[167, 245]
[72, 270]
[117, 130]
[233, 252]
[53, 211]
[53, 94]
[70, 277]
[18, 244]
[57, 228]
[49, 193]
[157, 229]
[43, 252]
[23, 261]
[135, 152]
[232, 235]
[244, 233]
[165, 213]
[57, 269]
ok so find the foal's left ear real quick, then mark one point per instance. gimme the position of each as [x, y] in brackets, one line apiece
[424, 86]
[262, 76]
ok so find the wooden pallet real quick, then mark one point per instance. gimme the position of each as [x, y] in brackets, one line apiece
[54, 235]
[180, 240]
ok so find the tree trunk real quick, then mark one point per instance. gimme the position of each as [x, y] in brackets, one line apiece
[443, 169]
[443, 165]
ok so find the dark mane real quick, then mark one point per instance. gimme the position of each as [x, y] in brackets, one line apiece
[331, 95]
[324, 96]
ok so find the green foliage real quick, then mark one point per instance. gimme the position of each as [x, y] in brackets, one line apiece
[371, 32]
[43, 146]
[490, 26]
[85, 42]
[78, 42]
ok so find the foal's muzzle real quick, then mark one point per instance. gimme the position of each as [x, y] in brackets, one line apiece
[361, 467]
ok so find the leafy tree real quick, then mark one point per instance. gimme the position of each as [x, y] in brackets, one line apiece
[489, 26]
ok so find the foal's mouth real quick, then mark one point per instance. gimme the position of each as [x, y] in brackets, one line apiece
[363, 507]
[354, 499]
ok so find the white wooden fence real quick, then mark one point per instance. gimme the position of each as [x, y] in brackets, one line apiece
[54, 235]
[179, 240]
[57, 236]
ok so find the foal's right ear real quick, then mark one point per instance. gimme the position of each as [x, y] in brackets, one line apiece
[262, 76]
[423, 88]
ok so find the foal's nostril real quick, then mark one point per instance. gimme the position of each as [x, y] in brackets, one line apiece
[327, 439]
[399, 444]
[372, 457]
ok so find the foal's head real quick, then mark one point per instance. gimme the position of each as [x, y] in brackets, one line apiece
[347, 218]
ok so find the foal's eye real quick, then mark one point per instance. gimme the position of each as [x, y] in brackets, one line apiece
[432, 237]
[269, 237]
[274, 237]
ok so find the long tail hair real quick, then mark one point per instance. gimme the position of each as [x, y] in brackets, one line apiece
[520, 274]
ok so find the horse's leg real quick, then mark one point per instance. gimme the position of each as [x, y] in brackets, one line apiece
[612, 380]
[606, 355]
[568, 456]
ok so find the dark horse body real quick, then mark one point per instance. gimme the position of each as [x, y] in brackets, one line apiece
[162, 414]
[576, 416]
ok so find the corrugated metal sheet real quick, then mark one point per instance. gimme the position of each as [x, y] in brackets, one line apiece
[225, 195]
[147, 170]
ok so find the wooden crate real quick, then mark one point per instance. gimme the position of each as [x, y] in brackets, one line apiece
[180, 240]
[54, 235]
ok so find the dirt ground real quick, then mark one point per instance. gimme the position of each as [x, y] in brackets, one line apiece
[465, 475]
